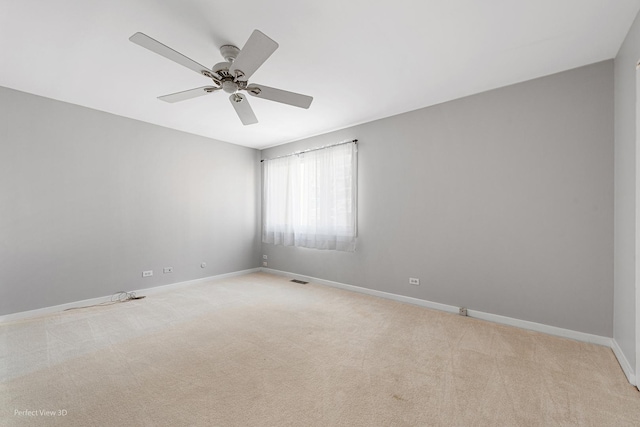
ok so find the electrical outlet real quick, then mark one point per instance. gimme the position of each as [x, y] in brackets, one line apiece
[203, 265]
[463, 311]
[414, 281]
[147, 273]
[167, 270]
[264, 263]
[265, 256]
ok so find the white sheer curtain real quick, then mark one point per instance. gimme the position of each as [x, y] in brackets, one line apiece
[310, 199]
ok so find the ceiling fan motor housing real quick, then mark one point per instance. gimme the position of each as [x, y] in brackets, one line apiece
[222, 69]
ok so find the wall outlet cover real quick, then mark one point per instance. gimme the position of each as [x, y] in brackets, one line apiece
[414, 281]
[147, 273]
[167, 270]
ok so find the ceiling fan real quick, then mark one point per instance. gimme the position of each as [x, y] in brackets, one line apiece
[231, 76]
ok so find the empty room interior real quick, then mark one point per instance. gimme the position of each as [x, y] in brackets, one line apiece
[430, 216]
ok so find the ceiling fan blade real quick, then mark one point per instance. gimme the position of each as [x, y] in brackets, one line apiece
[163, 50]
[258, 48]
[242, 107]
[279, 95]
[188, 94]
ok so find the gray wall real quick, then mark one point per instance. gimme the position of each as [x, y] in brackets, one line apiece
[625, 190]
[89, 200]
[500, 202]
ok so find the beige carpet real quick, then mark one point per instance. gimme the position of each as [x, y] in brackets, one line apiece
[257, 350]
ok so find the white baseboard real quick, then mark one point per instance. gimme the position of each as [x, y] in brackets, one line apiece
[523, 324]
[373, 292]
[624, 363]
[172, 286]
[92, 301]
[541, 327]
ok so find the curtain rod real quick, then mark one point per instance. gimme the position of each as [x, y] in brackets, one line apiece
[312, 149]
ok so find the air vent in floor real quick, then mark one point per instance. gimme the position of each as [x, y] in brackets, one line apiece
[299, 281]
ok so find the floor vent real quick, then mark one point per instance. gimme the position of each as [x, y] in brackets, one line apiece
[302, 282]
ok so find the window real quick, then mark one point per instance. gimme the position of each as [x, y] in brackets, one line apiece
[310, 198]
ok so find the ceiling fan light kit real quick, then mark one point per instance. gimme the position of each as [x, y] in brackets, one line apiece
[230, 76]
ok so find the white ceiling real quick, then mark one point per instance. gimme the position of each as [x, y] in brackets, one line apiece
[361, 60]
